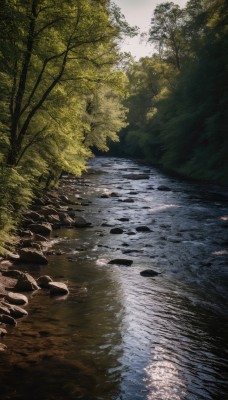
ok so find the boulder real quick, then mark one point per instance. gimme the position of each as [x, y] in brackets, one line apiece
[43, 229]
[116, 231]
[26, 283]
[80, 222]
[58, 288]
[121, 261]
[44, 280]
[7, 320]
[143, 228]
[31, 255]
[16, 298]
[149, 272]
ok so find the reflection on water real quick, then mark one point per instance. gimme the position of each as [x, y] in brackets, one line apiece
[128, 337]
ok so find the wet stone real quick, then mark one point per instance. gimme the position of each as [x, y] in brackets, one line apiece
[3, 332]
[121, 261]
[58, 288]
[143, 228]
[163, 188]
[16, 298]
[149, 272]
[26, 283]
[7, 320]
[3, 347]
[44, 280]
[116, 231]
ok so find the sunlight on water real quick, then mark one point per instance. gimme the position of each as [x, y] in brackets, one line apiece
[164, 380]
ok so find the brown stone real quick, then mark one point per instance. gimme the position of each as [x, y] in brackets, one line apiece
[26, 283]
[58, 288]
[32, 255]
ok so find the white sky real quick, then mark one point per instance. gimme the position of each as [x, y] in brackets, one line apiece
[139, 12]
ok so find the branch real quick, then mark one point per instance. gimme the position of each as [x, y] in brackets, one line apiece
[33, 141]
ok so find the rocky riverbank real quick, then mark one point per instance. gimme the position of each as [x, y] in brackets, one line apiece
[33, 244]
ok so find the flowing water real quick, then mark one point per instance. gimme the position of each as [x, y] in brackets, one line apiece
[129, 337]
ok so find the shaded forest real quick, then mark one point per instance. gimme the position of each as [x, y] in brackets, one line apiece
[178, 97]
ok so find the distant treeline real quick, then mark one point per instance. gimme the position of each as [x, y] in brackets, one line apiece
[178, 97]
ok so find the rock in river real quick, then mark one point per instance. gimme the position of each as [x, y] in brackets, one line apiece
[121, 261]
[16, 298]
[143, 228]
[17, 312]
[164, 188]
[26, 283]
[43, 229]
[43, 281]
[80, 222]
[32, 256]
[149, 272]
[6, 319]
[116, 231]
[58, 288]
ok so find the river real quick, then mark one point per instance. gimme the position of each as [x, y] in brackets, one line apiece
[119, 335]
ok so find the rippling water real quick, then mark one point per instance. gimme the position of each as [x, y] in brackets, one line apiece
[129, 337]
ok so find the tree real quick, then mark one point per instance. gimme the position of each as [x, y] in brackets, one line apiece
[50, 50]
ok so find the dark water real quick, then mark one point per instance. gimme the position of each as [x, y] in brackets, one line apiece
[129, 337]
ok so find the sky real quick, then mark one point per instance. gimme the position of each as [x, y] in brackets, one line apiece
[139, 12]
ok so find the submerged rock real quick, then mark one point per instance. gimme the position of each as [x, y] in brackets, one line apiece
[137, 176]
[80, 222]
[143, 228]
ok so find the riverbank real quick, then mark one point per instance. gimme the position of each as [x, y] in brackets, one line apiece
[32, 246]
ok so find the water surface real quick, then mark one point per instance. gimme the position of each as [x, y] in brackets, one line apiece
[129, 337]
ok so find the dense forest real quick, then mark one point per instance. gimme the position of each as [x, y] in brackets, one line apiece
[178, 97]
[67, 90]
[60, 78]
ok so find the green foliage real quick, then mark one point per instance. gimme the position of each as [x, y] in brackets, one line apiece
[178, 114]
[15, 195]
[55, 58]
